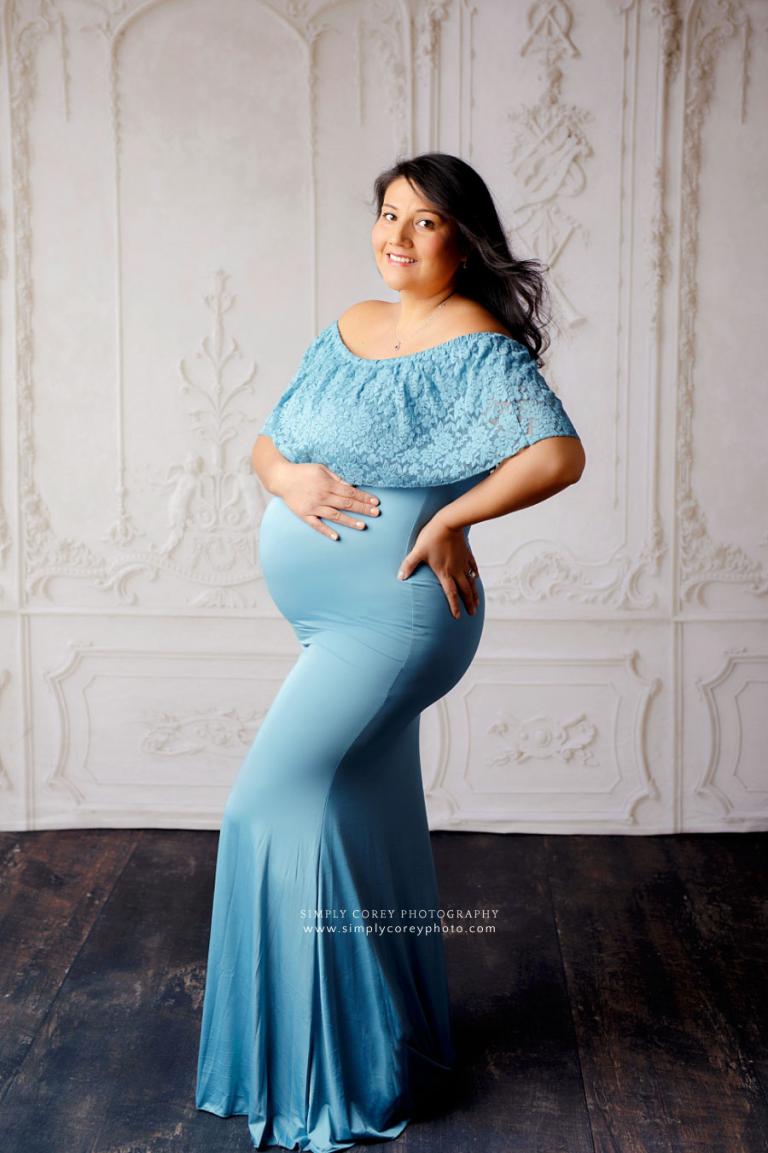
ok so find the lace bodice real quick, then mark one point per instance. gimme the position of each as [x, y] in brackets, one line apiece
[427, 418]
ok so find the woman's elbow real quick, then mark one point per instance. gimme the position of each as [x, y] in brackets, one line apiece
[261, 440]
[573, 460]
[562, 459]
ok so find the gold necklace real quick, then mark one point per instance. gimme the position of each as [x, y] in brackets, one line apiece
[426, 322]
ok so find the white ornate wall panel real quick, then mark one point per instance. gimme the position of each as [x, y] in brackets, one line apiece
[725, 705]
[185, 200]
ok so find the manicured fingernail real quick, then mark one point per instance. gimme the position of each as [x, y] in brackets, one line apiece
[400, 574]
[374, 500]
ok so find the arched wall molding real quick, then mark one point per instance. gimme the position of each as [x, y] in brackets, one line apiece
[47, 555]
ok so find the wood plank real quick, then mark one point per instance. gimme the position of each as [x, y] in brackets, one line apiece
[53, 885]
[520, 1079]
[725, 876]
[112, 1068]
[663, 1068]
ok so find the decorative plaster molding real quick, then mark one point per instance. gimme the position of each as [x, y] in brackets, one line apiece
[200, 731]
[549, 147]
[221, 731]
[383, 28]
[430, 17]
[46, 554]
[465, 77]
[456, 803]
[6, 784]
[5, 528]
[702, 559]
[621, 581]
[670, 19]
[720, 782]
[543, 738]
[554, 574]
[213, 509]
[79, 650]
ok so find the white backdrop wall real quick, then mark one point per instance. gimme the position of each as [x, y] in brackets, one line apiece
[185, 201]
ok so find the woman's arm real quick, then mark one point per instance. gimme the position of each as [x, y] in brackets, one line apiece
[535, 473]
[312, 491]
[269, 464]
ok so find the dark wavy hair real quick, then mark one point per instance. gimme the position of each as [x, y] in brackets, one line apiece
[513, 290]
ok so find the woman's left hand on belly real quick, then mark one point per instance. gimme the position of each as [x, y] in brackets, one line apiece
[448, 554]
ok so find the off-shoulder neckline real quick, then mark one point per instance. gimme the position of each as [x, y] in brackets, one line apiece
[411, 355]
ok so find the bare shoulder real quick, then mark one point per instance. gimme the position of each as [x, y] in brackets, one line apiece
[365, 321]
[362, 306]
[364, 312]
[471, 316]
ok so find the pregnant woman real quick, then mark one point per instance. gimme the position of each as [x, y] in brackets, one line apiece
[326, 1018]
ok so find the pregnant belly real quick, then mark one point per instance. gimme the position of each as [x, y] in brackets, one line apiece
[347, 591]
[306, 571]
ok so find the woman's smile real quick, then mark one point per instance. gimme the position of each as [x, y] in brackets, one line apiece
[411, 231]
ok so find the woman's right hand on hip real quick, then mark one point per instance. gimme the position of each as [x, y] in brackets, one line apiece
[313, 491]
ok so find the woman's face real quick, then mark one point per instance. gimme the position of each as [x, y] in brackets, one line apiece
[408, 225]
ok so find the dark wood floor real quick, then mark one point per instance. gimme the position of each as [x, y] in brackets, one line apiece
[620, 1005]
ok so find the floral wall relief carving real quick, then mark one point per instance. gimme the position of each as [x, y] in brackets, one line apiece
[550, 146]
[200, 731]
[381, 31]
[702, 559]
[521, 739]
[213, 504]
[210, 496]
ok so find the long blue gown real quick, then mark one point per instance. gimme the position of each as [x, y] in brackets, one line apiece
[326, 1017]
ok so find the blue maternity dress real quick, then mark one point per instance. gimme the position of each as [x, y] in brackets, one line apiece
[326, 1013]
